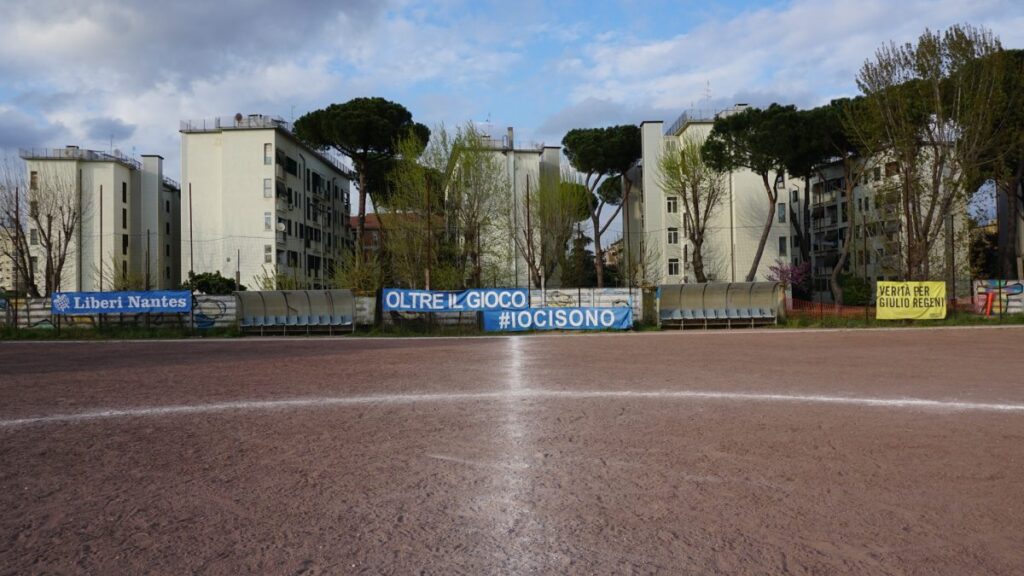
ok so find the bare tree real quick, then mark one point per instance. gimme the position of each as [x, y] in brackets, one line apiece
[934, 111]
[550, 209]
[54, 216]
[14, 236]
[701, 188]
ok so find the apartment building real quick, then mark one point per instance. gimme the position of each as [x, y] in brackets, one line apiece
[877, 251]
[6, 265]
[128, 212]
[525, 165]
[261, 205]
[654, 221]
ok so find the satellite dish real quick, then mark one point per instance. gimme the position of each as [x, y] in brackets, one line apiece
[280, 226]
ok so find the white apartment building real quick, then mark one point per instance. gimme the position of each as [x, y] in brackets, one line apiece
[6, 265]
[260, 205]
[524, 168]
[654, 226]
[128, 230]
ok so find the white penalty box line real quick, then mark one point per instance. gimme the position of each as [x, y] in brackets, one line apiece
[385, 399]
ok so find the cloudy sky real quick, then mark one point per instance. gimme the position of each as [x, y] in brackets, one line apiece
[123, 73]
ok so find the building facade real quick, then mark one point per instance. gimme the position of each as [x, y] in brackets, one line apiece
[128, 219]
[524, 167]
[260, 205]
[7, 276]
[657, 249]
[877, 249]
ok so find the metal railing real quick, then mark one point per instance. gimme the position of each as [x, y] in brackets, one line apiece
[239, 122]
[692, 116]
[79, 154]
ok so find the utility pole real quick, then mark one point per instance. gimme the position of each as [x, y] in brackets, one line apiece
[148, 277]
[864, 258]
[101, 237]
[238, 268]
[430, 235]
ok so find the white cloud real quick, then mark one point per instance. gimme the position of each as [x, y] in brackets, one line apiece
[809, 49]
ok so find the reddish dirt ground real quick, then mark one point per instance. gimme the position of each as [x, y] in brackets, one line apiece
[513, 458]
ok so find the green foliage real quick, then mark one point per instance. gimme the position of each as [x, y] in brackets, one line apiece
[749, 139]
[856, 290]
[211, 283]
[984, 254]
[578, 270]
[603, 151]
[368, 131]
[364, 128]
[363, 276]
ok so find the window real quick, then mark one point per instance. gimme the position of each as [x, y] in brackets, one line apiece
[33, 180]
[124, 218]
[891, 169]
[673, 235]
[34, 262]
[167, 272]
[167, 249]
[782, 212]
[877, 173]
[783, 245]
[34, 235]
[794, 196]
[124, 269]
[33, 208]
[796, 242]
[167, 228]
[124, 244]
[268, 154]
[124, 192]
[672, 205]
[268, 192]
[308, 180]
[167, 206]
[268, 221]
[673, 266]
[268, 254]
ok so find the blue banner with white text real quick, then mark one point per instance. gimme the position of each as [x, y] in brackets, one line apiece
[82, 303]
[474, 300]
[618, 318]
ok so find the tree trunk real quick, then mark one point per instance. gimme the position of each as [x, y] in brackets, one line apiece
[1008, 250]
[772, 197]
[361, 220]
[598, 251]
[849, 183]
[698, 259]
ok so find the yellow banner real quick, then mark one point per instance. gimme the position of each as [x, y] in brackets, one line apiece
[910, 301]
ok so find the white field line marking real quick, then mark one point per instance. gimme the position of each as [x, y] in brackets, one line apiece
[327, 401]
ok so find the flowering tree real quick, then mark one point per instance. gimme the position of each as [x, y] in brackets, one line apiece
[789, 275]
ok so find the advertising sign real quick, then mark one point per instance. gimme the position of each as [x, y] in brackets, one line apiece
[476, 300]
[82, 303]
[618, 318]
[910, 301]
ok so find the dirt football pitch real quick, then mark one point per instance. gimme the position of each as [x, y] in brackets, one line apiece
[746, 452]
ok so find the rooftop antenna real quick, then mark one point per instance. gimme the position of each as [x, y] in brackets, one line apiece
[707, 93]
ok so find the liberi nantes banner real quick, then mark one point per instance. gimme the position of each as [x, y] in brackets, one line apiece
[72, 303]
[910, 301]
[475, 300]
[618, 318]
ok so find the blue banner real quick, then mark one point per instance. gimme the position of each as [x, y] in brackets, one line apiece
[558, 319]
[475, 300]
[80, 303]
